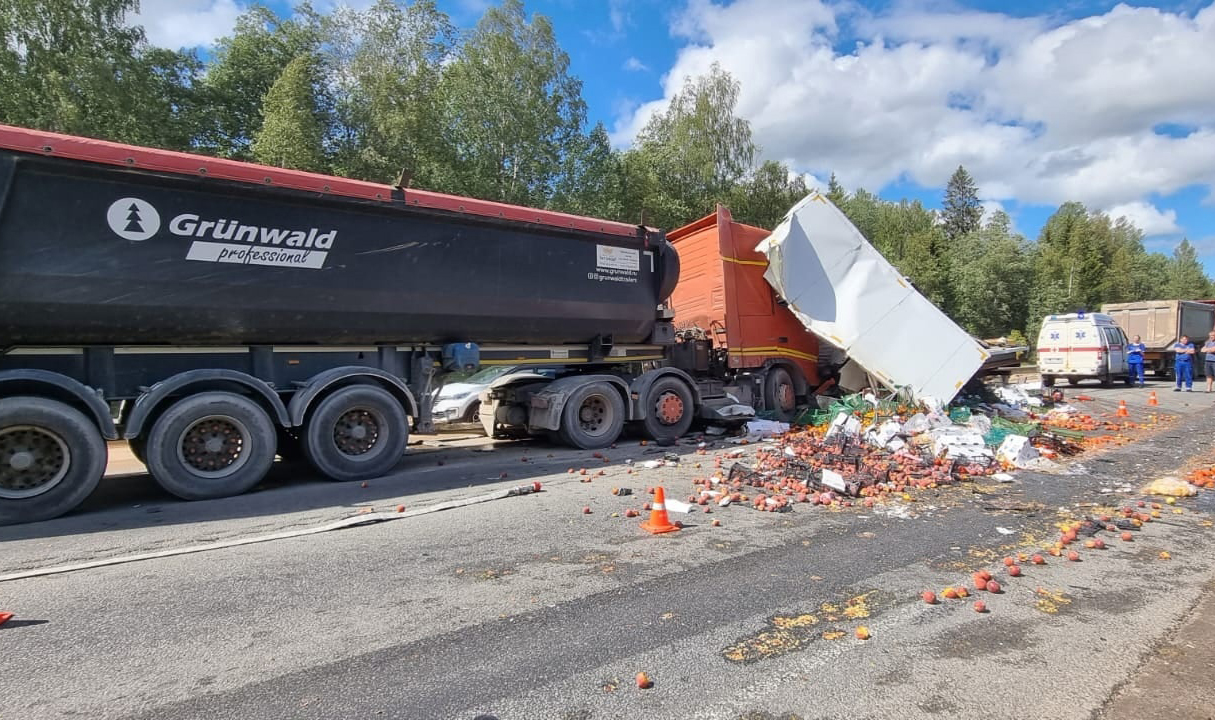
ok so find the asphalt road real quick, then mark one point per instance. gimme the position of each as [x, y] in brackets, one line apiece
[527, 608]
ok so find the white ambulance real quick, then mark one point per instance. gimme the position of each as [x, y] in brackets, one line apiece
[1082, 345]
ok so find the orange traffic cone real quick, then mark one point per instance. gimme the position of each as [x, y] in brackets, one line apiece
[5, 617]
[1122, 409]
[659, 522]
[1152, 399]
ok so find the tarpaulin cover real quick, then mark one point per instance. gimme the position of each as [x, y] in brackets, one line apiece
[844, 291]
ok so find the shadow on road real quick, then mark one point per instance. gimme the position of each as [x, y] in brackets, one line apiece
[135, 500]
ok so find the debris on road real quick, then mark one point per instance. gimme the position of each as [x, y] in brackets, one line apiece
[1171, 486]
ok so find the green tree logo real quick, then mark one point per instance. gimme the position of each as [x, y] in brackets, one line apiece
[133, 219]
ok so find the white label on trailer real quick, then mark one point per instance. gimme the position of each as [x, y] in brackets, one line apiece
[559, 354]
[616, 258]
[256, 255]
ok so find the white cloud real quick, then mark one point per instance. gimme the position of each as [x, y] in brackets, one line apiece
[618, 15]
[1038, 110]
[991, 207]
[186, 23]
[635, 65]
[1147, 217]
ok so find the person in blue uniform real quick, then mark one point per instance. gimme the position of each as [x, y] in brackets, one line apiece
[1209, 359]
[1134, 360]
[1183, 365]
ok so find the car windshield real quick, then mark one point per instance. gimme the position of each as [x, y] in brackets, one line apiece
[487, 375]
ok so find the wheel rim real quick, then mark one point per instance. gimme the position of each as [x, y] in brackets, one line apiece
[784, 396]
[595, 415]
[669, 408]
[214, 446]
[357, 432]
[32, 461]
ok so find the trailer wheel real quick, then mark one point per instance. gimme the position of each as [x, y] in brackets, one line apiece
[358, 432]
[780, 394]
[51, 459]
[669, 410]
[1048, 381]
[593, 417]
[1073, 381]
[211, 445]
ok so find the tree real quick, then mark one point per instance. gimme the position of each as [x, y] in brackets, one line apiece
[388, 91]
[512, 110]
[909, 236]
[836, 193]
[243, 69]
[591, 182]
[994, 276]
[962, 213]
[292, 134]
[767, 194]
[699, 147]
[76, 66]
[1187, 279]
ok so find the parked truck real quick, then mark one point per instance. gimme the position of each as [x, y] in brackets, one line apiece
[1159, 323]
[216, 314]
[730, 321]
[742, 348]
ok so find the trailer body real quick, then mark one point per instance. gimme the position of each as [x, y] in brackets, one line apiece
[1160, 323]
[215, 314]
[112, 255]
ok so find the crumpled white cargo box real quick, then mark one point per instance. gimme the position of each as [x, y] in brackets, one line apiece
[844, 291]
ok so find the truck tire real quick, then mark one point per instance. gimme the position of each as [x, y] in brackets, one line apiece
[139, 448]
[358, 432]
[780, 394]
[593, 417]
[668, 410]
[1048, 381]
[1073, 381]
[51, 459]
[211, 445]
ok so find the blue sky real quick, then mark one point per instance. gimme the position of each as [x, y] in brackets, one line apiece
[1111, 105]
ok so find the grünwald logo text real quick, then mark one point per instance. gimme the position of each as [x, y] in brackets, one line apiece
[135, 219]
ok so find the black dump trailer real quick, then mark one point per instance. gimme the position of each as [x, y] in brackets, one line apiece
[216, 314]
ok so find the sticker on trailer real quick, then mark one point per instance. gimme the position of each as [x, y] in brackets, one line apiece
[617, 258]
[615, 264]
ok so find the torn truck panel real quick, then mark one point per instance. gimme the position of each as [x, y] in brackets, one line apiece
[844, 291]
